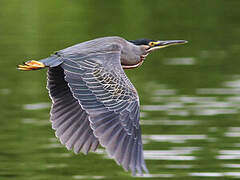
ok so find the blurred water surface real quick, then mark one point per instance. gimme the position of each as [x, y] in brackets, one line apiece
[190, 95]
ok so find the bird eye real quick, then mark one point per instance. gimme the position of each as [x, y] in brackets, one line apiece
[151, 44]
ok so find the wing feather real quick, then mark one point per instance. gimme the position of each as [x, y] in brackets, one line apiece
[75, 136]
[70, 131]
[68, 118]
[99, 84]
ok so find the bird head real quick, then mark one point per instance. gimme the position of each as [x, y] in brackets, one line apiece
[151, 45]
[148, 46]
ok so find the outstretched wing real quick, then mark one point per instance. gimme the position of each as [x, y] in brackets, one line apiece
[101, 87]
[68, 118]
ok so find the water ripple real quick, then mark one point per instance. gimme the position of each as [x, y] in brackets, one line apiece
[156, 175]
[218, 91]
[180, 61]
[215, 174]
[36, 106]
[175, 155]
[56, 165]
[233, 132]
[5, 91]
[228, 157]
[231, 165]
[87, 177]
[206, 174]
[35, 122]
[174, 138]
[170, 122]
[179, 166]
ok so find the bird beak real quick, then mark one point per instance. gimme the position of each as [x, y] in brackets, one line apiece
[162, 44]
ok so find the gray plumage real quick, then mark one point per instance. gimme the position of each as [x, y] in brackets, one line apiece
[94, 101]
[68, 118]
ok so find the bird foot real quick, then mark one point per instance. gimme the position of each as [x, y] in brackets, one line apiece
[31, 65]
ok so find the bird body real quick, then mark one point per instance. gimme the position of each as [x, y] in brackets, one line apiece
[94, 101]
[130, 53]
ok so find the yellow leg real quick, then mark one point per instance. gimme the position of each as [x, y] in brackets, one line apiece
[31, 65]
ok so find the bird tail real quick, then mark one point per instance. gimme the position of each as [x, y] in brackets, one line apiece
[51, 61]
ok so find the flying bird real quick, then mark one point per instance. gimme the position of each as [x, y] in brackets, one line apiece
[93, 101]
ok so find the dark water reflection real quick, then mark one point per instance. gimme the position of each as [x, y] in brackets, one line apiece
[190, 95]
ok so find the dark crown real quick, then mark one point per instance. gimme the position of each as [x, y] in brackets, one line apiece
[141, 41]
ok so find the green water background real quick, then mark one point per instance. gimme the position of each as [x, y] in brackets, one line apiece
[190, 95]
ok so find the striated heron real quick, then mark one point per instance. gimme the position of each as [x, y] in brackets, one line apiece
[94, 101]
